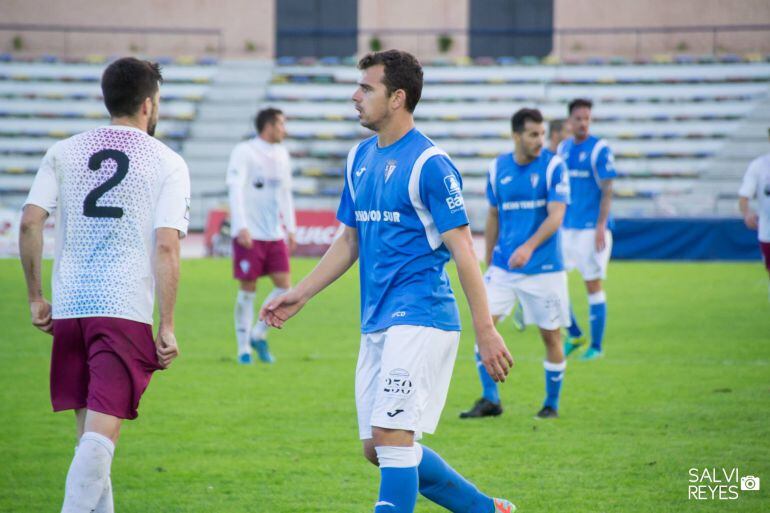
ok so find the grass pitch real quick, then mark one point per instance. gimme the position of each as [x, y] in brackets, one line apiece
[685, 384]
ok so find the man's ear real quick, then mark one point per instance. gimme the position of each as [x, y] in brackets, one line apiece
[147, 106]
[398, 99]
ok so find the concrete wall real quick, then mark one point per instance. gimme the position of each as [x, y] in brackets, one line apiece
[376, 17]
[660, 13]
[242, 23]
[252, 23]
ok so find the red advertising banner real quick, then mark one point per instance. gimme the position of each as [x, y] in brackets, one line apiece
[316, 230]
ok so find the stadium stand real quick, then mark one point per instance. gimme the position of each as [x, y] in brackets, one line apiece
[682, 129]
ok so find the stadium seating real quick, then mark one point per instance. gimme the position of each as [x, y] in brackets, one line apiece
[45, 100]
[682, 129]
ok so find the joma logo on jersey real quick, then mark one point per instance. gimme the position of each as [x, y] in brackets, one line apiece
[506, 180]
[452, 184]
[365, 216]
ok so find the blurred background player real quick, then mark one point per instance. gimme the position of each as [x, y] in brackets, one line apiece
[528, 192]
[586, 235]
[558, 130]
[756, 185]
[261, 205]
[121, 199]
[403, 215]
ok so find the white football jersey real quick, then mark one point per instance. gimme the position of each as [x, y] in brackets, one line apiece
[756, 184]
[259, 185]
[110, 188]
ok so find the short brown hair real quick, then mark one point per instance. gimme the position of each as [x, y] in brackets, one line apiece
[521, 117]
[127, 82]
[402, 71]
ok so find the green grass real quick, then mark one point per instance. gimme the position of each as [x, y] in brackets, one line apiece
[685, 383]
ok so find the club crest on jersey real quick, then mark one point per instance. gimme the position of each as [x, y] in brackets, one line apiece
[583, 155]
[534, 178]
[451, 184]
[390, 166]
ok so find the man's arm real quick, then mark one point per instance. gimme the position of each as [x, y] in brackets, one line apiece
[337, 259]
[604, 215]
[749, 217]
[495, 356]
[547, 228]
[166, 283]
[31, 251]
[491, 232]
[236, 180]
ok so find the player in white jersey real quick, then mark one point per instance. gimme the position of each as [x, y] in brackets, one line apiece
[121, 200]
[259, 188]
[756, 185]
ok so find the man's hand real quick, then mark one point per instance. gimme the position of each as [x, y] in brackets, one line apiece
[40, 310]
[280, 309]
[244, 238]
[520, 257]
[752, 220]
[601, 238]
[494, 354]
[292, 243]
[165, 347]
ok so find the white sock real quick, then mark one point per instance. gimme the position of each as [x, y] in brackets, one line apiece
[244, 314]
[259, 331]
[106, 504]
[89, 474]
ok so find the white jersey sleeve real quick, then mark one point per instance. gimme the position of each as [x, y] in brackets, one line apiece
[286, 201]
[751, 180]
[237, 174]
[173, 210]
[45, 189]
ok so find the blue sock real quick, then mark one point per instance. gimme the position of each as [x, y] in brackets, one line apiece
[443, 485]
[488, 385]
[398, 480]
[574, 328]
[598, 316]
[554, 376]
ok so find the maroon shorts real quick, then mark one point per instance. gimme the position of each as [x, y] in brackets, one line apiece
[101, 363]
[265, 257]
[765, 247]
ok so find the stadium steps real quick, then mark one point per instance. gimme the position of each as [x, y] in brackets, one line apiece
[237, 90]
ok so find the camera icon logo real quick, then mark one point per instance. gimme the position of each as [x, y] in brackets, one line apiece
[750, 483]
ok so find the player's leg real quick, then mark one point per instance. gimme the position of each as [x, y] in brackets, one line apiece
[276, 265]
[765, 249]
[554, 365]
[545, 300]
[121, 358]
[246, 269]
[574, 337]
[594, 270]
[397, 460]
[501, 298]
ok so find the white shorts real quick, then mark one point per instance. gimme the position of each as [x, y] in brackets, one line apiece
[402, 378]
[544, 297]
[579, 250]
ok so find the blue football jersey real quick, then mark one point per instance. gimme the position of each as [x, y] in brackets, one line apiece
[521, 195]
[589, 162]
[400, 199]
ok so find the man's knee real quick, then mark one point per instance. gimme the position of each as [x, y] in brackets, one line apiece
[369, 452]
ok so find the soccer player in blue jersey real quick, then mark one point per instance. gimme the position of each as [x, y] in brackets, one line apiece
[404, 216]
[528, 191]
[586, 234]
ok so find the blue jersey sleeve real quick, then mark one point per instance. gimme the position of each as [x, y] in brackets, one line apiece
[559, 189]
[441, 192]
[605, 164]
[346, 213]
[491, 198]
